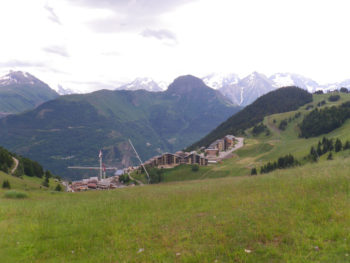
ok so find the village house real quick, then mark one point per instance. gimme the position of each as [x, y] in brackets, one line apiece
[169, 160]
[211, 152]
[220, 145]
[194, 158]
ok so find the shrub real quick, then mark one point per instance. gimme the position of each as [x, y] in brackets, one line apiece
[253, 171]
[6, 185]
[344, 90]
[334, 98]
[259, 129]
[283, 125]
[330, 156]
[58, 188]
[195, 167]
[15, 195]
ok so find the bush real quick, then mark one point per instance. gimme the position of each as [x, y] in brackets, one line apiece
[253, 171]
[283, 125]
[330, 156]
[334, 98]
[6, 185]
[344, 90]
[195, 167]
[15, 195]
[58, 188]
[259, 129]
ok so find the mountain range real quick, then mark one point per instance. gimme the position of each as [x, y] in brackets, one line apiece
[240, 92]
[21, 91]
[277, 101]
[71, 129]
[244, 91]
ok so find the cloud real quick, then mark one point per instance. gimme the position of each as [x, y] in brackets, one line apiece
[57, 50]
[117, 23]
[20, 63]
[52, 15]
[97, 85]
[129, 15]
[161, 34]
[136, 7]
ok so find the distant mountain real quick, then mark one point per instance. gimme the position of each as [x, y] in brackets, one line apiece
[71, 129]
[286, 79]
[247, 90]
[144, 84]
[277, 101]
[21, 91]
[218, 81]
[64, 91]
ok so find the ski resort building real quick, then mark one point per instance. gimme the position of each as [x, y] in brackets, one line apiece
[169, 160]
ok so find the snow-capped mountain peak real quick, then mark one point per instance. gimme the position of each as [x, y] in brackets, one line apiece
[219, 80]
[18, 77]
[64, 91]
[287, 79]
[145, 84]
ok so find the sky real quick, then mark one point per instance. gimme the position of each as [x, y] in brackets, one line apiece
[87, 45]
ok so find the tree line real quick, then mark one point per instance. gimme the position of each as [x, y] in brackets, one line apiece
[324, 146]
[321, 121]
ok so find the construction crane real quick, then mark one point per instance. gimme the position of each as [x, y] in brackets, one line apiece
[138, 157]
[102, 168]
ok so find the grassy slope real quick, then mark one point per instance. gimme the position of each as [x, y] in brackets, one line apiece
[261, 149]
[26, 183]
[281, 217]
[294, 215]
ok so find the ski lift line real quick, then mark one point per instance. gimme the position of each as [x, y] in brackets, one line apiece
[138, 157]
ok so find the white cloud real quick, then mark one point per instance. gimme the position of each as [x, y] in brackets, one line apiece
[131, 39]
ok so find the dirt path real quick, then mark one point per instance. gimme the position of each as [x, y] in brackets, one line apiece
[16, 165]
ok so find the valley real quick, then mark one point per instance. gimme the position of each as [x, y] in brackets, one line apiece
[218, 213]
[70, 130]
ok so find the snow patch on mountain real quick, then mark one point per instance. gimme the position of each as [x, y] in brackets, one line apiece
[145, 84]
[219, 80]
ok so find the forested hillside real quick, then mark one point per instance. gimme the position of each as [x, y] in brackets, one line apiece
[322, 121]
[72, 129]
[278, 101]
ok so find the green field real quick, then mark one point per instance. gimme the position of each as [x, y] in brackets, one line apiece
[293, 215]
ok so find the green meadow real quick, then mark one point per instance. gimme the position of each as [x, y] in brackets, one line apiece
[294, 215]
[217, 214]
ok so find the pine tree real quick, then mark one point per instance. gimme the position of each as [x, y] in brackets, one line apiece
[338, 145]
[346, 145]
[58, 188]
[6, 184]
[253, 171]
[313, 154]
[330, 156]
[319, 149]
